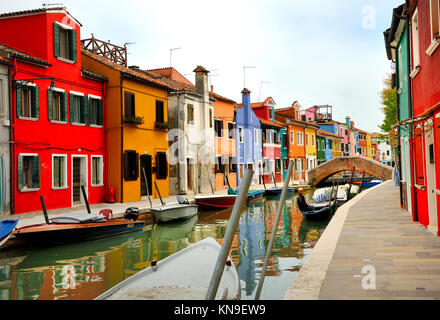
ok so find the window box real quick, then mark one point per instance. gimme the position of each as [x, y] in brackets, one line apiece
[133, 120]
[433, 46]
[414, 72]
[161, 125]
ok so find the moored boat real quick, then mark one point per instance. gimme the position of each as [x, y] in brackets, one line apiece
[215, 201]
[372, 183]
[6, 229]
[164, 281]
[172, 212]
[277, 191]
[321, 211]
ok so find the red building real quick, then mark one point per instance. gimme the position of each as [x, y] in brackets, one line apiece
[424, 28]
[58, 126]
[272, 165]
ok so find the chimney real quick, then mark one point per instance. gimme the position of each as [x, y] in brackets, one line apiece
[347, 121]
[212, 88]
[246, 97]
[202, 82]
[351, 124]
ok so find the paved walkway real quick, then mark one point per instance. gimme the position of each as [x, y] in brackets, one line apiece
[371, 250]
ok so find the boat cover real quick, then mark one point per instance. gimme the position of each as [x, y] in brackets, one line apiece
[6, 227]
[79, 217]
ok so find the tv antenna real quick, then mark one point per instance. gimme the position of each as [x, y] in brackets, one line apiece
[44, 4]
[171, 53]
[261, 85]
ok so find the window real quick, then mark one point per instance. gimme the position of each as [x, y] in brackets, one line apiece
[277, 165]
[28, 172]
[56, 105]
[292, 137]
[2, 103]
[161, 165]
[231, 128]
[297, 114]
[415, 42]
[219, 165]
[95, 111]
[131, 165]
[78, 108]
[285, 141]
[286, 164]
[28, 102]
[307, 139]
[266, 165]
[434, 19]
[160, 118]
[64, 42]
[240, 134]
[269, 136]
[313, 139]
[299, 138]
[210, 118]
[270, 113]
[190, 113]
[256, 136]
[129, 105]
[59, 171]
[218, 127]
[232, 164]
[97, 171]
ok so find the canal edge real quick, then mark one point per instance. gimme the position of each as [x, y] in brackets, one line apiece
[307, 284]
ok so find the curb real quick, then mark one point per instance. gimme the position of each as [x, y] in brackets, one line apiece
[307, 284]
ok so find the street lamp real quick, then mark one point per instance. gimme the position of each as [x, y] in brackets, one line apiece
[20, 83]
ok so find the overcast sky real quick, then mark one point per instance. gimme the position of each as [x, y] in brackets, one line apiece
[313, 51]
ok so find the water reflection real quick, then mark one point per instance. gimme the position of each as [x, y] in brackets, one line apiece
[85, 270]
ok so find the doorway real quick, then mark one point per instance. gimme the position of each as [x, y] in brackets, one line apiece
[79, 178]
[146, 164]
[431, 176]
[190, 174]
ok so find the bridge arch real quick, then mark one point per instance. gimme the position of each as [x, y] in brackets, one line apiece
[329, 168]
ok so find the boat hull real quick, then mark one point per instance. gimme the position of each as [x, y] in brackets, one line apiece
[61, 233]
[216, 202]
[277, 191]
[320, 213]
[171, 213]
[6, 229]
[196, 262]
[255, 195]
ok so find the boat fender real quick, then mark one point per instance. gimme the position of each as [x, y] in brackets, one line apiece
[228, 265]
[131, 213]
[154, 265]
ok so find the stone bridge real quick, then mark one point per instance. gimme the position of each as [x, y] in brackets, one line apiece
[329, 168]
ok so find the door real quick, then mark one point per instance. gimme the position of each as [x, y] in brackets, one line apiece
[431, 177]
[189, 174]
[250, 166]
[146, 164]
[76, 177]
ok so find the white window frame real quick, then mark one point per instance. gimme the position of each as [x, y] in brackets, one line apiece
[228, 122]
[26, 189]
[91, 96]
[435, 41]
[101, 171]
[255, 136]
[292, 137]
[78, 94]
[415, 41]
[300, 138]
[65, 186]
[240, 134]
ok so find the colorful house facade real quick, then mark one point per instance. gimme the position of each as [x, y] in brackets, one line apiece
[57, 109]
[5, 134]
[136, 138]
[320, 147]
[272, 160]
[248, 139]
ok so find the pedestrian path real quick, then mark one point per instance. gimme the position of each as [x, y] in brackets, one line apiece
[371, 250]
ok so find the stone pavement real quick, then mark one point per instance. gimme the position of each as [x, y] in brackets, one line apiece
[371, 250]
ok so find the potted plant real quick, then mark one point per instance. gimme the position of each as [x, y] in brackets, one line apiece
[133, 120]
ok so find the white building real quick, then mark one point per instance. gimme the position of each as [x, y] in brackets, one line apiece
[385, 152]
[5, 146]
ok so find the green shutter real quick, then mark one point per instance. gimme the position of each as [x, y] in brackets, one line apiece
[49, 105]
[35, 172]
[56, 40]
[84, 110]
[72, 45]
[92, 111]
[64, 107]
[19, 172]
[100, 115]
[72, 109]
[18, 105]
[35, 102]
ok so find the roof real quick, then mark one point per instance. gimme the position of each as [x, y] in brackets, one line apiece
[299, 122]
[219, 97]
[272, 124]
[37, 11]
[20, 55]
[324, 133]
[93, 75]
[200, 69]
[124, 70]
[170, 73]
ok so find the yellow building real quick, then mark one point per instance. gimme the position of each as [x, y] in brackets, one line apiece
[137, 129]
[336, 147]
[310, 146]
[369, 146]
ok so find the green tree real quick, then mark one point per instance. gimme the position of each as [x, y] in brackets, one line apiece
[389, 105]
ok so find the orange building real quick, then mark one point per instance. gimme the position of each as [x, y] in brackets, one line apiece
[225, 151]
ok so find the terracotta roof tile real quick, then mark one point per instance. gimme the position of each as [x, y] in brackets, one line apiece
[88, 73]
[324, 133]
[20, 55]
[274, 124]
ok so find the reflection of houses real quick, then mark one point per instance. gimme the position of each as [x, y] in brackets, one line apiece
[251, 237]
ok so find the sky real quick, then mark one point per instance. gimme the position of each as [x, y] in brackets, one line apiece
[316, 52]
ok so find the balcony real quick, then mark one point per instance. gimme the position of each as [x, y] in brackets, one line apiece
[133, 120]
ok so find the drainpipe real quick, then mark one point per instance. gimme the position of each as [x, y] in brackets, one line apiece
[179, 149]
[398, 153]
[122, 138]
[410, 114]
[11, 137]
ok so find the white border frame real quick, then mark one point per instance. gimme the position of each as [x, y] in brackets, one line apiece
[101, 170]
[86, 178]
[66, 186]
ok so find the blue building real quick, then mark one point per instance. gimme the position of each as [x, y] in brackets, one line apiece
[249, 142]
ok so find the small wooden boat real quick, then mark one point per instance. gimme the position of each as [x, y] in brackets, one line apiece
[168, 213]
[6, 229]
[321, 211]
[251, 195]
[372, 183]
[75, 227]
[215, 201]
[277, 191]
[185, 274]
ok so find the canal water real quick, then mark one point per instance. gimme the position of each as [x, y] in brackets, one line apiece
[86, 269]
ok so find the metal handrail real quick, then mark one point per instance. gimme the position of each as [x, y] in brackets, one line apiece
[420, 187]
[274, 229]
[229, 235]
